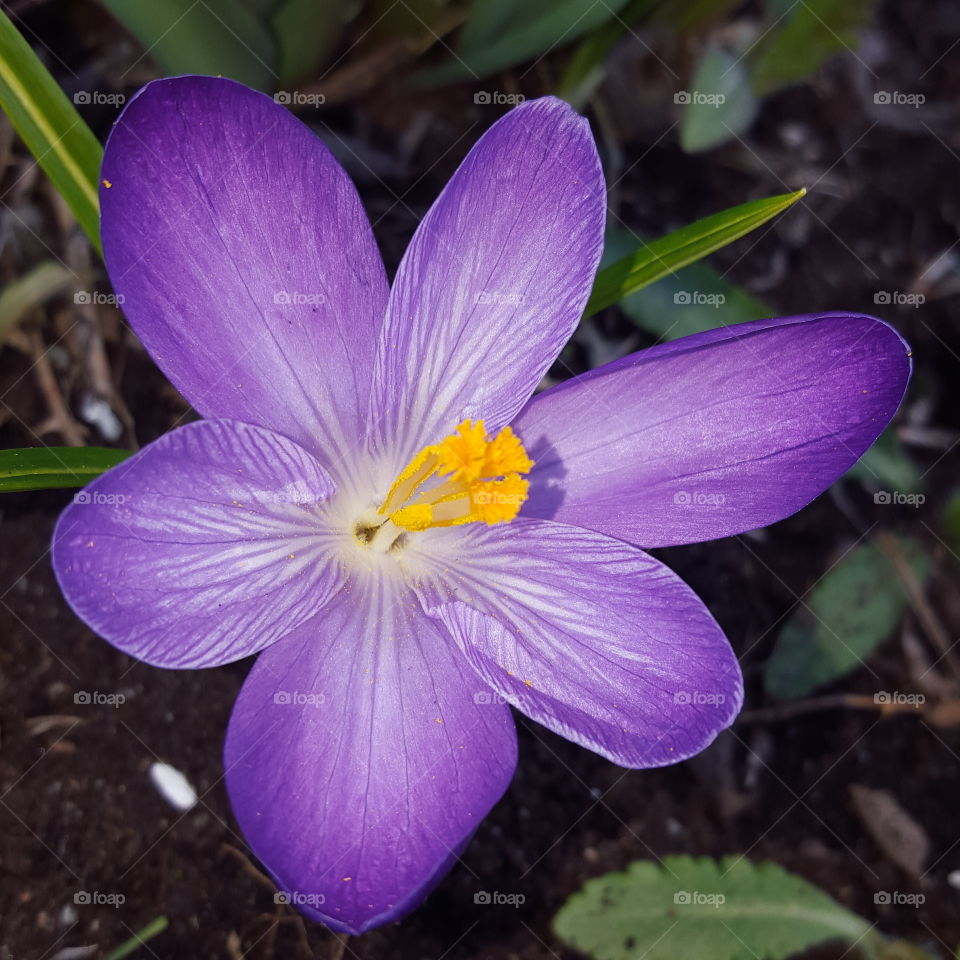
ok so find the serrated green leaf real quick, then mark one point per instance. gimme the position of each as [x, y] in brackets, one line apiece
[53, 131]
[667, 255]
[502, 33]
[213, 37]
[691, 301]
[810, 33]
[719, 105]
[730, 909]
[840, 623]
[48, 468]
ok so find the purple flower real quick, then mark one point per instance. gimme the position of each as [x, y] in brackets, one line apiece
[349, 505]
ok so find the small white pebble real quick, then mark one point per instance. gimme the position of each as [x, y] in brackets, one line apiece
[97, 413]
[953, 878]
[173, 786]
[68, 916]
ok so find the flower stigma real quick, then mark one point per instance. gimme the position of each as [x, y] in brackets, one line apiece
[466, 478]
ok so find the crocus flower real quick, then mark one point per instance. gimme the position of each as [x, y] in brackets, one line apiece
[378, 505]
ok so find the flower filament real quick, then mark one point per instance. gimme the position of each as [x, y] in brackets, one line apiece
[480, 481]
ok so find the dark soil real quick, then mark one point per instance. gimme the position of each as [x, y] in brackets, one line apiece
[78, 811]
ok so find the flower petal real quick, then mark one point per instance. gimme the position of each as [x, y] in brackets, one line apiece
[362, 754]
[590, 637]
[245, 260]
[713, 434]
[495, 279]
[206, 546]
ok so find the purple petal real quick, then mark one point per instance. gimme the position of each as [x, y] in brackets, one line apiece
[590, 637]
[207, 546]
[362, 754]
[245, 260]
[495, 279]
[716, 433]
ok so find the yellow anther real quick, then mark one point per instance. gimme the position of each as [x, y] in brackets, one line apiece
[415, 517]
[463, 453]
[499, 501]
[480, 481]
[504, 455]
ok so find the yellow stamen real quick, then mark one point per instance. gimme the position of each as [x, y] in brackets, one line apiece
[480, 483]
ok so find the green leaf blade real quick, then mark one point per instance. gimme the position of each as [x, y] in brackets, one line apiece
[684, 246]
[51, 468]
[693, 300]
[50, 126]
[721, 104]
[213, 37]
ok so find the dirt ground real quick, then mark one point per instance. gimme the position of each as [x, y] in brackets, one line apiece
[78, 810]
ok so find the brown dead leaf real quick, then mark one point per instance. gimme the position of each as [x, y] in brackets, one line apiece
[897, 834]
